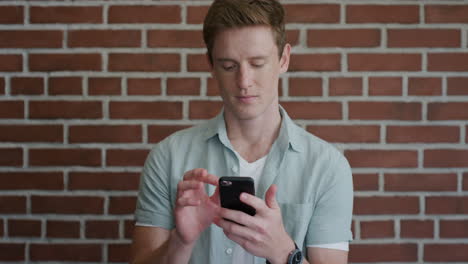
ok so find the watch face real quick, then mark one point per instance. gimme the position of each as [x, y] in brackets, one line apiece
[296, 257]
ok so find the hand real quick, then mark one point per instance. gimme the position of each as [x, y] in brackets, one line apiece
[262, 235]
[195, 210]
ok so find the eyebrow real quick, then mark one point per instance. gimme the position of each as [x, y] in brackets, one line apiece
[251, 58]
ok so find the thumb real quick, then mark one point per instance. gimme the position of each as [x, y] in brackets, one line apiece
[270, 197]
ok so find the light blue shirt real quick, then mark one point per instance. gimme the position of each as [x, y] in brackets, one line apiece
[314, 182]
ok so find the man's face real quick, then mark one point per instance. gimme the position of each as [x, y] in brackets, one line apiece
[247, 68]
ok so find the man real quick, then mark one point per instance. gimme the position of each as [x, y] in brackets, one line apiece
[303, 185]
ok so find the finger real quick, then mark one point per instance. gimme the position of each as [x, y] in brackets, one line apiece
[237, 230]
[253, 201]
[189, 175]
[237, 216]
[185, 201]
[188, 185]
[270, 197]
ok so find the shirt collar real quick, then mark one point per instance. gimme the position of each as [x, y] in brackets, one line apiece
[287, 135]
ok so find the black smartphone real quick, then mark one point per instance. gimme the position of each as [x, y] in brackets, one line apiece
[230, 189]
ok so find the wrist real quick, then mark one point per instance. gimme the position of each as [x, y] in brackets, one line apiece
[283, 253]
[178, 242]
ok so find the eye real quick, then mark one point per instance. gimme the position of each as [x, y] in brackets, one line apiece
[229, 66]
[257, 63]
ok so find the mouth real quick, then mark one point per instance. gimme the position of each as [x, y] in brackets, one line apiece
[246, 98]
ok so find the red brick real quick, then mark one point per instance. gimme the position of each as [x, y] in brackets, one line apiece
[126, 157]
[384, 62]
[31, 181]
[11, 157]
[453, 228]
[382, 86]
[66, 14]
[144, 86]
[423, 134]
[128, 228]
[465, 181]
[66, 252]
[377, 229]
[65, 86]
[196, 14]
[65, 157]
[447, 111]
[313, 110]
[144, 14]
[445, 253]
[183, 86]
[31, 133]
[27, 85]
[386, 205]
[346, 133]
[65, 62]
[124, 181]
[417, 228]
[30, 39]
[385, 111]
[305, 86]
[63, 229]
[67, 204]
[311, 13]
[24, 228]
[122, 205]
[2, 231]
[343, 38]
[105, 133]
[447, 62]
[157, 133]
[2, 86]
[11, 62]
[401, 252]
[12, 251]
[11, 15]
[212, 87]
[204, 109]
[104, 38]
[11, 109]
[104, 86]
[315, 62]
[420, 182]
[292, 37]
[65, 110]
[414, 38]
[366, 182]
[176, 38]
[342, 86]
[446, 14]
[445, 158]
[102, 229]
[119, 252]
[424, 86]
[145, 110]
[382, 158]
[447, 205]
[144, 62]
[457, 86]
[198, 63]
[12, 205]
[401, 14]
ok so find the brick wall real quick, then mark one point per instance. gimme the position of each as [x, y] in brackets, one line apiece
[86, 88]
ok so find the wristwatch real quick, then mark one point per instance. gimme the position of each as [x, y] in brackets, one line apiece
[294, 257]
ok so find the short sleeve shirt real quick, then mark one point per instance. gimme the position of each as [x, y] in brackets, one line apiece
[314, 182]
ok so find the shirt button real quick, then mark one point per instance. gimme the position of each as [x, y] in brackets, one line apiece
[235, 169]
[229, 251]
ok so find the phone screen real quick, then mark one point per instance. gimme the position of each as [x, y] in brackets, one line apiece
[230, 189]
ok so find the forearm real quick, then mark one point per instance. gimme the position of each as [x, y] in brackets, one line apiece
[172, 251]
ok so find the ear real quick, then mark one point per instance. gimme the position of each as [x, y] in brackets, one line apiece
[284, 61]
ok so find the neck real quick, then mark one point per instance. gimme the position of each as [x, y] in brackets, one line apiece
[253, 138]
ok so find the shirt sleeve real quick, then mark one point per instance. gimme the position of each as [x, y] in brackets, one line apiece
[154, 197]
[331, 219]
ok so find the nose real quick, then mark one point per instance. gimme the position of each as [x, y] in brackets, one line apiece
[244, 77]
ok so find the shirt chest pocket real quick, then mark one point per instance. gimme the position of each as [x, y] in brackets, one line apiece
[296, 219]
